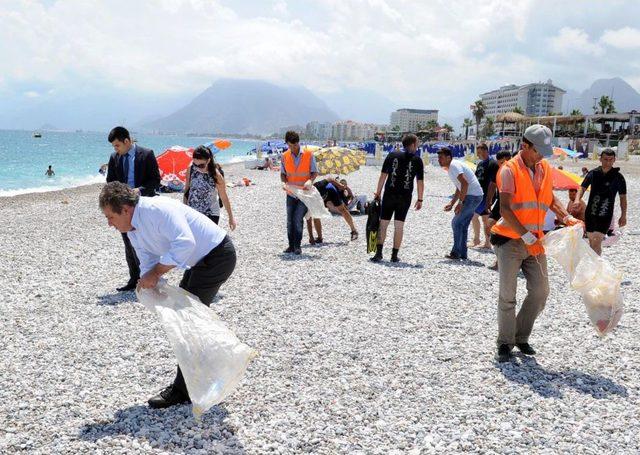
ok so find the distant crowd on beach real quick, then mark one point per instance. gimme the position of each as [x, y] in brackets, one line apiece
[510, 195]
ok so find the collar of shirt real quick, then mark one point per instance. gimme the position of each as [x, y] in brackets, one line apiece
[135, 219]
[538, 165]
[132, 151]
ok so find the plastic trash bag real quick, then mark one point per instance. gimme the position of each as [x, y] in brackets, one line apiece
[212, 359]
[312, 199]
[589, 274]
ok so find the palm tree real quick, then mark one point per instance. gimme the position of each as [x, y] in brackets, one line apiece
[576, 112]
[466, 124]
[488, 129]
[478, 111]
[518, 110]
[606, 105]
[432, 125]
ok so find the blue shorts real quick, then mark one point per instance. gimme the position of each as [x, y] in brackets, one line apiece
[482, 207]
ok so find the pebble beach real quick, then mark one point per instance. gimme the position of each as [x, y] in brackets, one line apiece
[354, 357]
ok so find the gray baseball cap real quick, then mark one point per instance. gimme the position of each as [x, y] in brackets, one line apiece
[540, 136]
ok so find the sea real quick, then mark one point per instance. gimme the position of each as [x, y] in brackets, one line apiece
[76, 157]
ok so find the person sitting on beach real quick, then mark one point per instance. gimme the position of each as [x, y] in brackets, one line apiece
[166, 234]
[49, 172]
[204, 182]
[330, 190]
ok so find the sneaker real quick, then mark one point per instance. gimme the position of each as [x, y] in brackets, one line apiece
[168, 397]
[504, 353]
[319, 240]
[376, 258]
[311, 241]
[289, 250]
[526, 348]
[395, 259]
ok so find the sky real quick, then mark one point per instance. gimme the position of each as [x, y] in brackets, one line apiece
[143, 58]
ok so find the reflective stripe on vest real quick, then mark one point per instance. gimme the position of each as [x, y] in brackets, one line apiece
[297, 176]
[529, 208]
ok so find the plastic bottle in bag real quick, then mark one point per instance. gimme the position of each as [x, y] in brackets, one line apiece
[212, 359]
[589, 274]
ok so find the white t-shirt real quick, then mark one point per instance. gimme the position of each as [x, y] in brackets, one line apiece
[455, 169]
[549, 221]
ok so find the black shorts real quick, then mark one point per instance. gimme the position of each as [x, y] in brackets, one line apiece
[329, 194]
[600, 224]
[397, 204]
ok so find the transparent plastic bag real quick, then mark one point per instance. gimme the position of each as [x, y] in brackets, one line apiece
[589, 274]
[212, 359]
[312, 199]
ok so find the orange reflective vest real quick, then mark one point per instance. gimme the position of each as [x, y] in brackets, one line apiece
[297, 176]
[530, 208]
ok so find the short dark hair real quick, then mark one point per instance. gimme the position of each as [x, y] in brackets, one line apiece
[291, 137]
[527, 141]
[116, 195]
[503, 154]
[483, 146]
[409, 139]
[445, 151]
[120, 133]
[608, 152]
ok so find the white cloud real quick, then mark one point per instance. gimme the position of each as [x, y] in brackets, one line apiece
[32, 94]
[574, 41]
[624, 38]
[422, 54]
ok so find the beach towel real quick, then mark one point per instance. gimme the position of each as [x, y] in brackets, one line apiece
[373, 225]
[212, 359]
[589, 274]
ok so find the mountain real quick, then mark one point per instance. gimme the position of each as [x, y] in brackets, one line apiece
[361, 105]
[625, 97]
[244, 106]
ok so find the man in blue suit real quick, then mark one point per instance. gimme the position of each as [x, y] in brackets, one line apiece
[137, 167]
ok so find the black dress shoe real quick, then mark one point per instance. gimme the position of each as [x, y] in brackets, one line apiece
[452, 256]
[288, 250]
[168, 397]
[297, 251]
[504, 353]
[526, 348]
[130, 286]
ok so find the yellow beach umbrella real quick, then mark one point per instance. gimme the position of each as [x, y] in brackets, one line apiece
[339, 160]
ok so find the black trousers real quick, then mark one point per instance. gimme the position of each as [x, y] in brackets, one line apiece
[204, 280]
[132, 259]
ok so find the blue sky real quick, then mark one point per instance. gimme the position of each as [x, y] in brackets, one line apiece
[426, 54]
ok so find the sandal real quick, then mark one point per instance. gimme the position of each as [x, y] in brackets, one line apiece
[354, 235]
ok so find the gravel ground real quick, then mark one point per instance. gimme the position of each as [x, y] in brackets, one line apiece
[354, 357]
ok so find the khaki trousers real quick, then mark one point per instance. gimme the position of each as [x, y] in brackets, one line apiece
[513, 257]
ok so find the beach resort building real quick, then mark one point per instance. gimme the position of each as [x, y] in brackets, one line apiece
[412, 119]
[348, 130]
[318, 130]
[536, 99]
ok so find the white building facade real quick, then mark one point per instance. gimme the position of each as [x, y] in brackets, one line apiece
[537, 99]
[412, 119]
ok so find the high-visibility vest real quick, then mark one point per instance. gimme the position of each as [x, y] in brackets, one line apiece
[529, 208]
[297, 175]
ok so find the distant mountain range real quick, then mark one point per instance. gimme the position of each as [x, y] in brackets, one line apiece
[244, 107]
[625, 97]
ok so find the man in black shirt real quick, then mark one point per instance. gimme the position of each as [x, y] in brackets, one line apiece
[486, 173]
[398, 172]
[606, 181]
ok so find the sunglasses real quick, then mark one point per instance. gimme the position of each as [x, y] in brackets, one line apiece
[200, 166]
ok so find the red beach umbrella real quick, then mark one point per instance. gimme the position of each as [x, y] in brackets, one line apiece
[174, 161]
[565, 180]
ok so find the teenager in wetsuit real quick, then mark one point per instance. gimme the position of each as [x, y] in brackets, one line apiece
[399, 170]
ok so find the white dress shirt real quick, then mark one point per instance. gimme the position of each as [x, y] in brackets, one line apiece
[168, 232]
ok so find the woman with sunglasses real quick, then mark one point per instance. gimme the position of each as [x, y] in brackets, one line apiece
[203, 184]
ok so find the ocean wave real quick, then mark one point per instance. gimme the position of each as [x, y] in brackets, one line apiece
[237, 159]
[61, 183]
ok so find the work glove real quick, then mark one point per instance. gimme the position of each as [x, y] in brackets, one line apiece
[534, 246]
